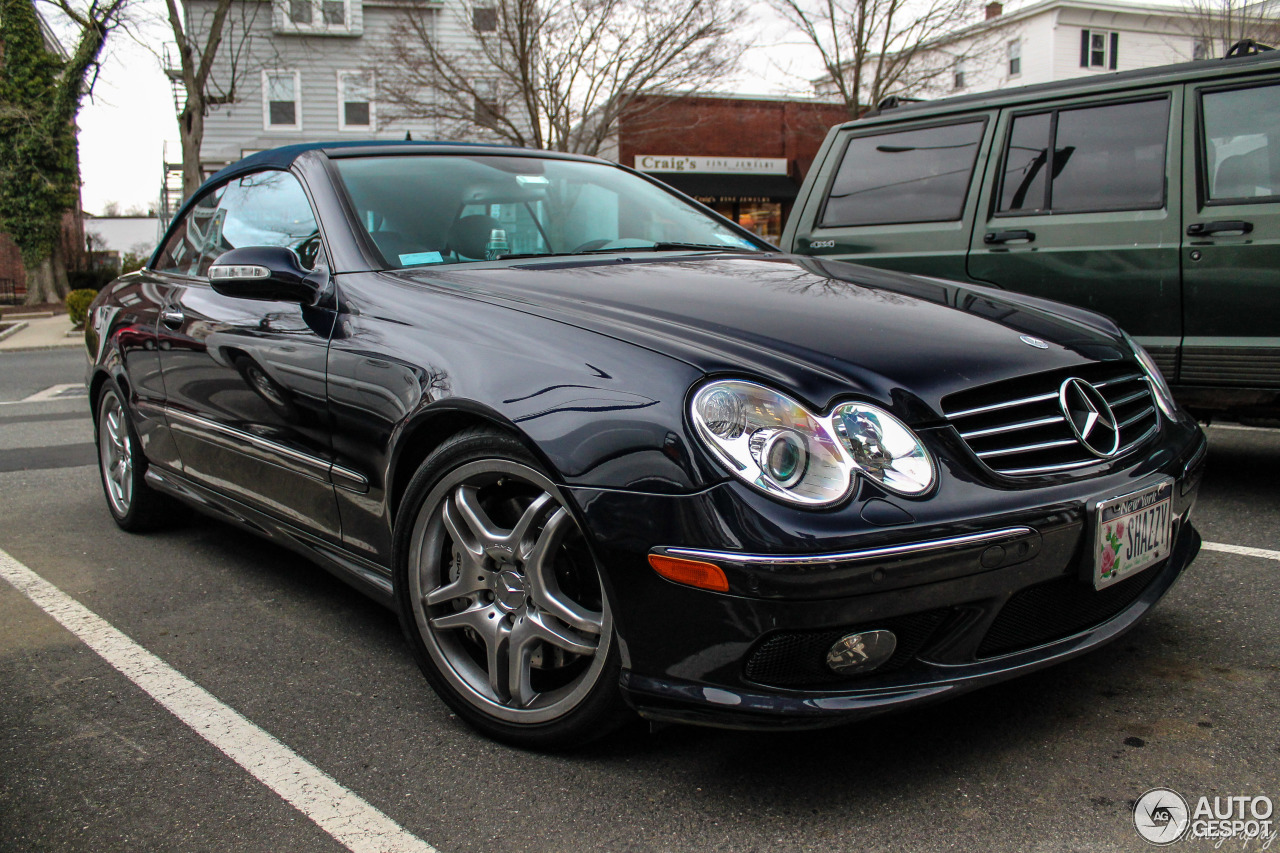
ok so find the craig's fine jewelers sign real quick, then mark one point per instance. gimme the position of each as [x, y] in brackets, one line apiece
[711, 165]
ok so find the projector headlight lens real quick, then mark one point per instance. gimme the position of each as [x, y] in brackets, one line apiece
[779, 447]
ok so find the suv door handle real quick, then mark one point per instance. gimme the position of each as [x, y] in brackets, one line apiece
[173, 318]
[1203, 229]
[992, 237]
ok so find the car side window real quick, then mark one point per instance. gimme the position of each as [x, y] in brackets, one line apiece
[266, 208]
[1242, 144]
[1109, 157]
[919, 175]
[188, 246]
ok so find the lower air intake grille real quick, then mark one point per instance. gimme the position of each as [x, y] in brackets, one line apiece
[799, 658]
[1017, 427]
[1056, 609]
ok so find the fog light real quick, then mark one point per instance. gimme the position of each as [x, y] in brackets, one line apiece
[861, 652]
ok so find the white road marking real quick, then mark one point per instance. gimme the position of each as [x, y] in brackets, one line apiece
[1241, 549]
[346, 816]
[1244, 428]
[53, 392]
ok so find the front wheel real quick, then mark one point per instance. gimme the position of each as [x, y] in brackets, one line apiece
[501, 599]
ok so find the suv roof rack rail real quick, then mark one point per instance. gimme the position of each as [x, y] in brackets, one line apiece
[1247, 47]
[896, 101]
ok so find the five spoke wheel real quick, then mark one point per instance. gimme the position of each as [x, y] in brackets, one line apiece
[115, 455]
[505, 595]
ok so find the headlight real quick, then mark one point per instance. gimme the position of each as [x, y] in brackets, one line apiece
[1160, 388]
[777, 446]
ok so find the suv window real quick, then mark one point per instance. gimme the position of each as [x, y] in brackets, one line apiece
[261, 209]
[1242, 144]
[906, 176]
[1108, 157]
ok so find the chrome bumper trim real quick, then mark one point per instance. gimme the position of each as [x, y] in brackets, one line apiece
[909, 549]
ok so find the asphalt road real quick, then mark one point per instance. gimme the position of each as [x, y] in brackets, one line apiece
[1049, 762]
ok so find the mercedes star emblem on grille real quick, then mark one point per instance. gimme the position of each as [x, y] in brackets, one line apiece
[1090, 417]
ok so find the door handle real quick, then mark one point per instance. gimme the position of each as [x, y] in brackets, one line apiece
[1204, 229]
[993, 237]
[173, 318]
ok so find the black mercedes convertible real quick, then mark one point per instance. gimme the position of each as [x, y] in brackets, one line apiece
[606, 452]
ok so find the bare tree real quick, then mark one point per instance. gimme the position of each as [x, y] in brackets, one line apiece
[1218, 24]
[553, 74]
[214, 41]
[874, 48]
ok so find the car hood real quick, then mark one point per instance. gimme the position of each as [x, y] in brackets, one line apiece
[818, 329]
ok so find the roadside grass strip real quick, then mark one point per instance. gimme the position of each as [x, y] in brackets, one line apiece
[346, 816]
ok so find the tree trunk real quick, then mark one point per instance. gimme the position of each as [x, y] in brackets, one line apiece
[47, 280]
[191, 128]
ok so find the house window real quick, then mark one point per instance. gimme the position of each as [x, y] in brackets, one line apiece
[1200, 50]
[484, 19]
[355, 100]
[282, 100]
[486, 109]
[1015, 57]
[959, 74]
[1099, 49]
[315, 16]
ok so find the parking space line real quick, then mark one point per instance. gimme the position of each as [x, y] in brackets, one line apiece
[343, 814]
[1241, 549]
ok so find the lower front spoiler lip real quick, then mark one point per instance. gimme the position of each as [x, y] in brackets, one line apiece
[674, 700]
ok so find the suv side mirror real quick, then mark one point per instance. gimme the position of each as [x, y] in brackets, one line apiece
[262, 272]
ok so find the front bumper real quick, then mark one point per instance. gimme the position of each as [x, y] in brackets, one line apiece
[990, 596]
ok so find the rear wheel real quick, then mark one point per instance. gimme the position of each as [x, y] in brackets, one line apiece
[501, 599]
[134, 505]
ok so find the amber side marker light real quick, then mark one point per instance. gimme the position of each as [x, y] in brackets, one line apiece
[690, 572]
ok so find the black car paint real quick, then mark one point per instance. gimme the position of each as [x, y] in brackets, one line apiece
[591, 361]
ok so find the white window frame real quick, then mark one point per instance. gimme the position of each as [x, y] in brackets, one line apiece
[1108, 36]
[959, 72]
[266, 100]
[318, 25]
[372, 126]
[1014, 54]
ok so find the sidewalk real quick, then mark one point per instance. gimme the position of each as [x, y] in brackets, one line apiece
[42, 333]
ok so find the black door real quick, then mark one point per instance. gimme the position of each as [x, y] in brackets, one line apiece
[244, 378]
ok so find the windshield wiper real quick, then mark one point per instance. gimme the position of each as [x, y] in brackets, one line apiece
[656, 247]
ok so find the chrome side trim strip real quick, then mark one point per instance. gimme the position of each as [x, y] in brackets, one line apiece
[345, 478]
[315, 468]
[995, 407]
[909, 549]
[980, 433]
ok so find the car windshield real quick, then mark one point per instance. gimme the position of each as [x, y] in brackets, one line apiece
[444, 209]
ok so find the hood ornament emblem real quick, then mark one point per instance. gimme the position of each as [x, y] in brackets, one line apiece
[1090, 417]
[1033, 342]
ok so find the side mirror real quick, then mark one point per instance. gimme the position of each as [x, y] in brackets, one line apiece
[271, 273]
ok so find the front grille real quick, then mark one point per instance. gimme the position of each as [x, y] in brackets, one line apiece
[1056, 609]
[799, 658]
[1017, 427]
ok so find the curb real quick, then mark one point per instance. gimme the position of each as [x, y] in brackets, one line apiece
[45, 347]
[13, 330]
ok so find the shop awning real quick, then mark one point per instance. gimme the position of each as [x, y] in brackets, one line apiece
[731, 187]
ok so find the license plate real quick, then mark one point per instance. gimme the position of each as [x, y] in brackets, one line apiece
[1134, 532]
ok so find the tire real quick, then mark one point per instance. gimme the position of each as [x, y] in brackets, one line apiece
[501, 600]
[122, 467]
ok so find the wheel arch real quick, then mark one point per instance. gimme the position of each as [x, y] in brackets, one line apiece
[436, 424]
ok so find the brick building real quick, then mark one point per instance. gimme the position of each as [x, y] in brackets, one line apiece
[743, 156]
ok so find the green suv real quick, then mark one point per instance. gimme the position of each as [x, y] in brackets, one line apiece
[1151, 196]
